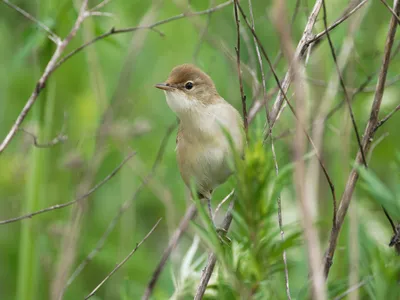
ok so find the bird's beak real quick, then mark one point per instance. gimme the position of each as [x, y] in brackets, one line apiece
[164, 86]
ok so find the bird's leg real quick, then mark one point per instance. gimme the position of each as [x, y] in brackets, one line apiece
[210, 212]
[221, 232]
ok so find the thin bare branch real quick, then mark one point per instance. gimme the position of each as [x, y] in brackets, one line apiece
[259, 58]
[352, 289]
[265, 102]
[100, 5]
[366, 142]
[343, 84]
[183, 225]
[59, 206]
[123, 261]
[237, 49]
[153, 26]
[299, 149]
[391, 10]
[55, 62]
[227, 197]
[203, 32]
[299, 53]
[305, 42]
[339, 21]
[60, 138]
[51, 35]
[385, 119]
[212, 258]
[122, 209]
[325, 171]
[43, 79]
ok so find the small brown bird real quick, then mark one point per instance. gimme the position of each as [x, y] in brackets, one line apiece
[202, 147]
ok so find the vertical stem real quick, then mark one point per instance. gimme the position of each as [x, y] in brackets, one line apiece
[29, 252]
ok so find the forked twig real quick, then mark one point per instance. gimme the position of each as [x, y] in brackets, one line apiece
[40, 85]
[123, 261]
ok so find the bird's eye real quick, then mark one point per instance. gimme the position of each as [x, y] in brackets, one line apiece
[189, 85]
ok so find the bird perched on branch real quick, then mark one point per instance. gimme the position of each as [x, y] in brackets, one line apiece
[202, 146]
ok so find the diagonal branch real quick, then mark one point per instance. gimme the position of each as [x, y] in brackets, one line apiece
[366, 142]
[299, 53]
[391, 10]
[385, 119]
[43, 79]
[339, 21]
[122, 209]
[346, 95]
[325, 171]
[59, 206]
[51, 35]
[114, 31]
[123, 261]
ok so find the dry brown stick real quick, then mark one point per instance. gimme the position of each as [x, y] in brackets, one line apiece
[325, 171]
[346, 96]
[299, 148]
[123, 261]
[391, 10]
[237, 49]
[51, 35]
[212, 258]
[43, 79]
[59, 206]
[183, 225]
[366, 142]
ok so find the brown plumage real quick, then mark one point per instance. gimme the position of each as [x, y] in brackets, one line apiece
[202, 148]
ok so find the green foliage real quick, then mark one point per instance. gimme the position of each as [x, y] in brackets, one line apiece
[102, 79]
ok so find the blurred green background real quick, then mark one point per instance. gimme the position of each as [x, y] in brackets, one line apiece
[105, 98]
